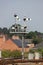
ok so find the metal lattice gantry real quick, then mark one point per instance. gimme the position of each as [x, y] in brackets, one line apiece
[18, 29]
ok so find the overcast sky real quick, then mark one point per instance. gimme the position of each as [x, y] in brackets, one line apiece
[29, 8]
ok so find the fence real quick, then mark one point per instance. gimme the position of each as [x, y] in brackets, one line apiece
[4, 61]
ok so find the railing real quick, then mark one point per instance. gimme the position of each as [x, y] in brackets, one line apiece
[4, 61]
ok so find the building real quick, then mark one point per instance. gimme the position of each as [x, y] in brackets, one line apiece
[12, 44]
[15, 43]
[40, 45]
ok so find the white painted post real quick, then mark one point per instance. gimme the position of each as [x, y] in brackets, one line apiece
[30, 56]
[0, 53]
[37, 55]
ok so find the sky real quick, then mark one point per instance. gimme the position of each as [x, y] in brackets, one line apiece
[23, 8]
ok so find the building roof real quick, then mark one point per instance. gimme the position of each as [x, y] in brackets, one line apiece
[7, 44]
[19, 43]
[11, 44]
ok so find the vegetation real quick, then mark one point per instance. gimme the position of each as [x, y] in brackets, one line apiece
[31, 51]
[35, 41]
[16, 54]
[36, 36]
[31, 35]
[8, 54]
[0, 30]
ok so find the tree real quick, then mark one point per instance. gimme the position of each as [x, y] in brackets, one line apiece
[0, 30]
[5, 30]
[31, 35]
[35, 41]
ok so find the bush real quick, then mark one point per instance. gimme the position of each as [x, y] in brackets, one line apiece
[8, 54]
[31, 51]
[16, 54]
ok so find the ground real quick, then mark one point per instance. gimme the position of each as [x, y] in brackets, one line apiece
[28, 63]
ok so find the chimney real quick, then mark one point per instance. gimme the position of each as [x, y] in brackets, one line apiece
[4, 38]
[15, 37]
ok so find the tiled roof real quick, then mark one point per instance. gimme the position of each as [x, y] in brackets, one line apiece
[11, 44]
[19, 43]
[7, 44]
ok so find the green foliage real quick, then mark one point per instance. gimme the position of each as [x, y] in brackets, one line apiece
[40, 40]
[16, 54]
[35, 41]
[5, 30]
[40, 50]
[31, 51]
[8, 54]
[31, 35]
[0, 30]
